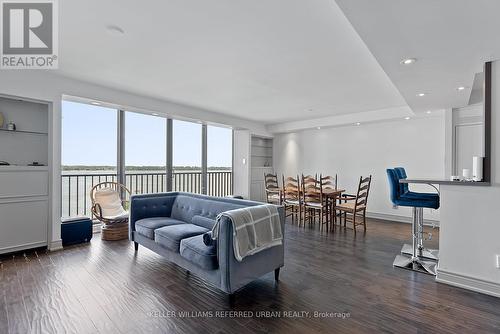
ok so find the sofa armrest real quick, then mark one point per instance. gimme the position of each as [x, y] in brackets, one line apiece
[149, 206]
[235, 274]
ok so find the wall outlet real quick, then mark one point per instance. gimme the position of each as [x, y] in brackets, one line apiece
[498, 261]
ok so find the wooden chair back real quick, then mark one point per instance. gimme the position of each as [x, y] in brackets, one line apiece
[328, 182]
[291, 188]
[363, 191]
[271, 182]
[312, 191]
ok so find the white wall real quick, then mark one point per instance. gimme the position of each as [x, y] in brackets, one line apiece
[50, 87]
[352, 151]
[241, 170]
[469, 238]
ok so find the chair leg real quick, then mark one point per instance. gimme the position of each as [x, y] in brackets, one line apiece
[364, 219]
[277, 274]
[320, 219]
[354, 222]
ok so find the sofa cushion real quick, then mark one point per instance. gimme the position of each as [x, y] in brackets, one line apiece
[203, 222]
[170, 236]
[194, 250]
[186, 207]
[147, 226]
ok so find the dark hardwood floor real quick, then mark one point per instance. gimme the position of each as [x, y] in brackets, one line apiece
[105, 287]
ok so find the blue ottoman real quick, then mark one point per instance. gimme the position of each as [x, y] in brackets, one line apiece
[76, 230]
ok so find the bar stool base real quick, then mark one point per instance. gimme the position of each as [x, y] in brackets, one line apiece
[415, 264]
[432, 254]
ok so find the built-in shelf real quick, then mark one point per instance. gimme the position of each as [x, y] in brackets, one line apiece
[27, 132]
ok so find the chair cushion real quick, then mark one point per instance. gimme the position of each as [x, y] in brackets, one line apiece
[349, 206]
[195, 250]
[110, 202]
[203, 222]
[170, 236]
[419, 202]
[147, 226]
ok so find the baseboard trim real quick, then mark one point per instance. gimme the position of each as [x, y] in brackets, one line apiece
[398, 218]
[55, 245]
[468, 282]
[18, 248]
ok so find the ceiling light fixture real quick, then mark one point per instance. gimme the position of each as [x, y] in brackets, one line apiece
[95, 103]
[154, 114]
[428, 112]
[461, 88]
[358, 123]
[408, 61]
[115, 30]
[407, 117]
[421, 94]
[319, 128]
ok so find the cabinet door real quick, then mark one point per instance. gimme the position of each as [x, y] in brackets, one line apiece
[257, 191]
[23, 224]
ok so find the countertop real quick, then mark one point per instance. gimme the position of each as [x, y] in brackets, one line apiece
[446, 182]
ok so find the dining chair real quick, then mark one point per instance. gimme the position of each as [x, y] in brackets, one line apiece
[355, 205]
[273, 192]
[291, 198]
[315, 203]
[330, 182]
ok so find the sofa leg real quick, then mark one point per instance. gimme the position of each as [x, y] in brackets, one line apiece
[136, 246]
[277, 274]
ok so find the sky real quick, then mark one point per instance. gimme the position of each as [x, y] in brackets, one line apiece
[89, 138]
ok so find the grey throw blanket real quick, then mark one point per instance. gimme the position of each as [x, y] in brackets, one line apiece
[255, 228]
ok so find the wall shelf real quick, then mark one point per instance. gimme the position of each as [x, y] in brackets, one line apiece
[26, 132]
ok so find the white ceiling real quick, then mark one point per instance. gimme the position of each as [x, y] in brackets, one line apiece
[450, 38]
[270, 61]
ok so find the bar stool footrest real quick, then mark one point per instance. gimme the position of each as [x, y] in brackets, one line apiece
[427, 253]
[415, 264]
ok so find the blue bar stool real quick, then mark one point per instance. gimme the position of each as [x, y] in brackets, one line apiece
[416, 261]
[432, 254]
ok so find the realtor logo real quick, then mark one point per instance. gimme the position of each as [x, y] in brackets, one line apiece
[28, 34]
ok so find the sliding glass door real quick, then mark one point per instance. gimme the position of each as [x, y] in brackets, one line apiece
[88, 153]
[145, 153]
[219, 161]
[187, 157]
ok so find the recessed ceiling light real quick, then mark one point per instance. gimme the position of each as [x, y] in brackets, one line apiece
[358, 123]
[428, 112]
[154, 114]
[461, 88]
[408, 61]
[95, 103]
[319, 128]
[407, 117]
[421, 94]
[115, 30]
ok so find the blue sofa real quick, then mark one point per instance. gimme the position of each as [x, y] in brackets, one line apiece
[172, 225]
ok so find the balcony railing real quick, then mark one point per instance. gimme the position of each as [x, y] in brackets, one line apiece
[76, 187]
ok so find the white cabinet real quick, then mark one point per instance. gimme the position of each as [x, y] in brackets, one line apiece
[24, 189]
[257, 186]
[24, 208]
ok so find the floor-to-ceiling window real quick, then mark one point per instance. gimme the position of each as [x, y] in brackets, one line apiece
[145, 153]
[105, 144]
[187, 159]
[89, 153]
[219, 160]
